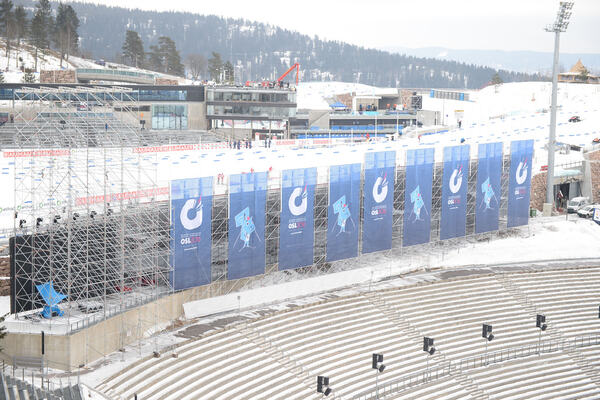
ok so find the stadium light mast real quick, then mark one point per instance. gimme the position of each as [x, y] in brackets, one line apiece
[560, 25]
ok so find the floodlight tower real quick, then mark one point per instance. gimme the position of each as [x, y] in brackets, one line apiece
[560, 25]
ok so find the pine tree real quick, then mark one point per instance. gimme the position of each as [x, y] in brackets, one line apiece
[170, 56]
[20, 29]
[496, 80]
[6, 22]
[133, 49]
[155, 62]
[72, 35]
[215, 66]
[29, 76]
[228, 72]
[65, 31]
[41, 26]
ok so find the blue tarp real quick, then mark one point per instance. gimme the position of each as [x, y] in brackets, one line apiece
[338, 104]
[51, 297]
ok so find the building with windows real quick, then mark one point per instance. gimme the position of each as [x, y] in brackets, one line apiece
[190, 107]
[254, 110]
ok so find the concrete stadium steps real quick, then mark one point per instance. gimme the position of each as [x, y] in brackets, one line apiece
[442, 389]
[549, 376]
[453, 314]
[207, 364]
[279, 356]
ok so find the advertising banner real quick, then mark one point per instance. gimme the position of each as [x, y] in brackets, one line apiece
[191, 217]
[247, 204]
[343, 211]
[519, 184]
[417, 199]
[297, 225]
[489, 174]
[454, 192]
[380, 172]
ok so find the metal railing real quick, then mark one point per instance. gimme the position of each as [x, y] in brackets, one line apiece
[445, 368]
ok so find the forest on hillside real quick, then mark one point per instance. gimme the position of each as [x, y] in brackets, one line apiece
[260, 51]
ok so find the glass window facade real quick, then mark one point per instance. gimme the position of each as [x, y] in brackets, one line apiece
[251, 110]
[246, 95]
[162, 95]
[169, 116]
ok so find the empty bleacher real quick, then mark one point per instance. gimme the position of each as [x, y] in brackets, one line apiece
[279, 355]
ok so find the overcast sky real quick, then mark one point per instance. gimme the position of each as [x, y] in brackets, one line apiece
[457, 24]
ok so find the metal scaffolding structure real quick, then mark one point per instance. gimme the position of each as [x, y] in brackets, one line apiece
[221, 285]
[89, 216]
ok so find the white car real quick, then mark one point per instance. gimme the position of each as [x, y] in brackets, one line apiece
[587, 211]
[576, 203]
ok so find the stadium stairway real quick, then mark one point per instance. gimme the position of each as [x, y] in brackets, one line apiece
[279, 355]
[16, 389]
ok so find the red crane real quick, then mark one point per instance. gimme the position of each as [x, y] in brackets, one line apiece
[295, 66]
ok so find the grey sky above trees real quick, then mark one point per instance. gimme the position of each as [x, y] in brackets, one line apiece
[458, 24]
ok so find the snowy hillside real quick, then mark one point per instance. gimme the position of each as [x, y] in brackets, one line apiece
[22, 58]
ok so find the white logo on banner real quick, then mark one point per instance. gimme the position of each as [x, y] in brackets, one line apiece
[380, 196]
[300, 209]
[521, 173]
[191, 224]
[455, 181]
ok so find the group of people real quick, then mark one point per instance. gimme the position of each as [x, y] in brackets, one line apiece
[237, 144]
[247, 144]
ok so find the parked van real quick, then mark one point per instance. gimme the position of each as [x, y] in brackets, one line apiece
[575, 203]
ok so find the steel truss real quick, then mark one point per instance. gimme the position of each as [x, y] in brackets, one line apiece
[418, 253]
[89, 214]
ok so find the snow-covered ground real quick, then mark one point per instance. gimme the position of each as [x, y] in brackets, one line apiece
[503, 113]
[11, 66]
[521, 118]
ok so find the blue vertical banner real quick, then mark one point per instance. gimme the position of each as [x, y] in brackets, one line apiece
[343, 212]
[454, 192]
[519, 184]
[489, 174]
[297, 225]
[191, 217]
[378, 193]
[247, 204]
[417, 199]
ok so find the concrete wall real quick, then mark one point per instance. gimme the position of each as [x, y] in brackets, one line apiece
[67, 352]
[538, 191]
[593, 161]
[197, 116]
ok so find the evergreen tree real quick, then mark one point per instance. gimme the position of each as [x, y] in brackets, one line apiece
[2, 77]
[41, 26]
[72, 34]
[65, 31]
[133, 49]
[21, 23]
[215, 67]
[6, 22]
[155, 62]
[496, 80]
[228, 72]
[170, 56]
[29, 76]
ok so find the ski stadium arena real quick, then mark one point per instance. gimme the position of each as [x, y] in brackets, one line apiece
[168, 268]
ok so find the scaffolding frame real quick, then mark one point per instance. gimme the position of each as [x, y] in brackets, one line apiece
[89, 215]
[421, 253]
